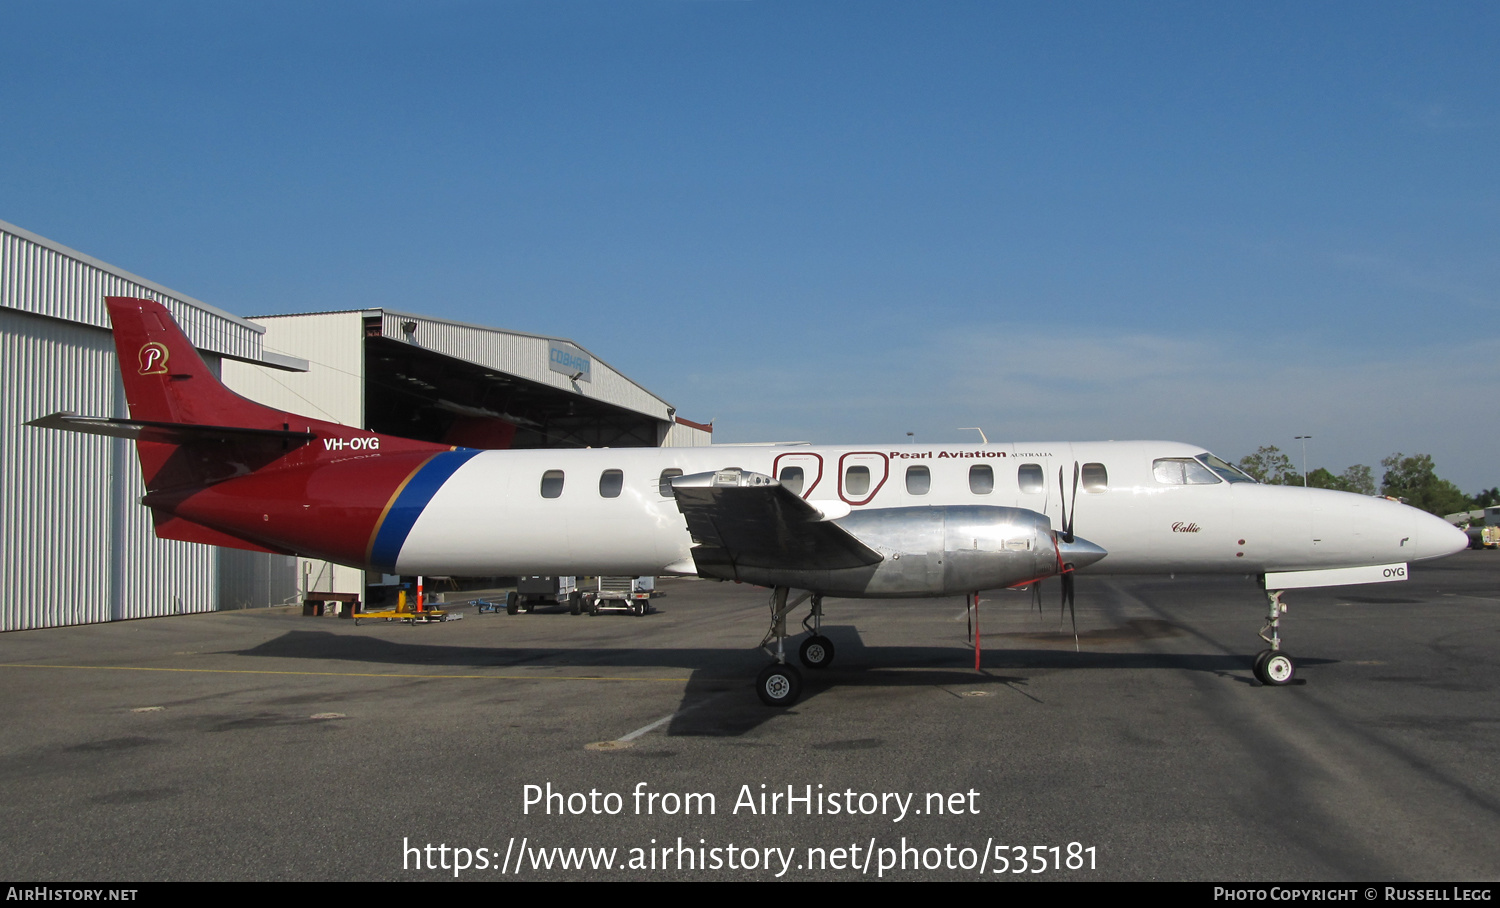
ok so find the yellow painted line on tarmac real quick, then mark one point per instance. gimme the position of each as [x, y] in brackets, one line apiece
[252, 671]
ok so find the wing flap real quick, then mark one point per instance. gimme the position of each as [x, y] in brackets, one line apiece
[742, 519]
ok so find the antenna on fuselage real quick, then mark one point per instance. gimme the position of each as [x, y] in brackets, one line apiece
[976, 429]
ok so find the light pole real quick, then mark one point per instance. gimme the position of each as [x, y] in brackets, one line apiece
[1303, 439]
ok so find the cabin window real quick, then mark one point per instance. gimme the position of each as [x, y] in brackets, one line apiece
[610, 483]
[1182, 471]
[981, 479]
[1030, 477]
[1095, 477]
[552, 484]
[664, 486]
[791, 478]
[857, 480]
[918, 480]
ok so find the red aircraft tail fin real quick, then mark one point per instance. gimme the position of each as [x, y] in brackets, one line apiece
[165, 378]
[168, 385]
[225, 470]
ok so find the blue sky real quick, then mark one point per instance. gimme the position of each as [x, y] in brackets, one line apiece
[840, 222]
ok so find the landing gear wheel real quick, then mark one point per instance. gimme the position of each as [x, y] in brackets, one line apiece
[778, 685]
[1260, 665]
[512, 604]
[1278, 669]
[816, 652]
[575, 603]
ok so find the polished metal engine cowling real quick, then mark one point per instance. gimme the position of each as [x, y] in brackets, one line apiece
[932, 551]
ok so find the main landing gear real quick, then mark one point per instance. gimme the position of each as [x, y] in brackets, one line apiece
[1274, 667]
[817, 650]
[780, 684]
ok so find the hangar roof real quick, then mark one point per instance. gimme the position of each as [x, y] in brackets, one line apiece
[46, 278]
[518, 353]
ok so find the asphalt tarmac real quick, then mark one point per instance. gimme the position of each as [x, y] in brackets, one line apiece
[262, 745]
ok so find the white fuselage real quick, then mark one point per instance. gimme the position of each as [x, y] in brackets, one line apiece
[491, 516]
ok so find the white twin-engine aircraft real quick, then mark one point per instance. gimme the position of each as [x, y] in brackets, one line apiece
[897, 521]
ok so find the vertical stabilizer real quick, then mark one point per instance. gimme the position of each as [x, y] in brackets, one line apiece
[165, 378]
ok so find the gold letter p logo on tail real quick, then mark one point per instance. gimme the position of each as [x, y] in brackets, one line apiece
[153, 359]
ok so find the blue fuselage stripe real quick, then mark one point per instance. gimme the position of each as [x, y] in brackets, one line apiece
[409, 505]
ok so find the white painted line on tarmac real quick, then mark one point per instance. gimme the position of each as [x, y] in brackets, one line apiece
[647, 729]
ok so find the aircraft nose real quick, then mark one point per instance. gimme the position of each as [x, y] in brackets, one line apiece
[1080, 552]
[1437, 538]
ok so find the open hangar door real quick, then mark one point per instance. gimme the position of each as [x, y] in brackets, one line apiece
[417, 392]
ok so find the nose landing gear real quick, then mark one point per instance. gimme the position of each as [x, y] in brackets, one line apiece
[1274, 667]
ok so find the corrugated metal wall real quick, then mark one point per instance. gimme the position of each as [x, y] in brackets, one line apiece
[42, 278]
[681, 436]
[76, 545]
[252, 579]
[333, 388]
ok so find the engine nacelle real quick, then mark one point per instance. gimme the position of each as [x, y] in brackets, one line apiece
[932, 551]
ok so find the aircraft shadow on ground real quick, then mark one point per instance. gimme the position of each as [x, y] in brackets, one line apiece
[724, 676]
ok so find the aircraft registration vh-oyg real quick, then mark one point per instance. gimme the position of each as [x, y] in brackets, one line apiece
[855, 522]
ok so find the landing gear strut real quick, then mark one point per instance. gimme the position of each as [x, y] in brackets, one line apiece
[817, 650]
[1274, 667]
[779, 684]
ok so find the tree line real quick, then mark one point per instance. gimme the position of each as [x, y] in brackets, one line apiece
[1412, 479]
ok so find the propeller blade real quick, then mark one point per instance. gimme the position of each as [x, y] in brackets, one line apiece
[1067, 583]
[976, 631]
[1064, 532]
[1073, 511]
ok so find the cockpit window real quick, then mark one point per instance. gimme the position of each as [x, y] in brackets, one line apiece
[1223, 470]
[1179, 471]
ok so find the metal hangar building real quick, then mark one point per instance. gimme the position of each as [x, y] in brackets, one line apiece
[436, 380]
[76, 545]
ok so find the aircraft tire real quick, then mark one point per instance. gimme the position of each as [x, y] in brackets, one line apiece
[511, 604]
[1279, 669]
[1260, 665]
[816, 652]
[575, 603]
[778, 685]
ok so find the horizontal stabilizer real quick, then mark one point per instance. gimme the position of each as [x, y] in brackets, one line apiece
[740, 518]
[165, 432]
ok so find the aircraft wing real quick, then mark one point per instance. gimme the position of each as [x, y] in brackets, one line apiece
[739, 518]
